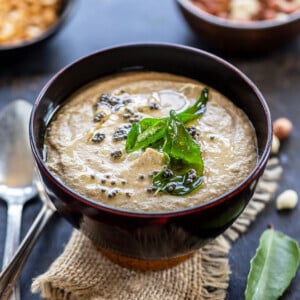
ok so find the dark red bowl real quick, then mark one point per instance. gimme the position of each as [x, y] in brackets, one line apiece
[237, 37]
[141, 235]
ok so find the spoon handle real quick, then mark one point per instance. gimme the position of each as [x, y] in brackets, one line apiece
[11, 273]
[13, 229]
[14, 219]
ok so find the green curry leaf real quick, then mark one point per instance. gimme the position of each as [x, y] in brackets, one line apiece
[196, 110]
[183, 151]
[184, 169]
[182, 154]
[178, 185]
[140, 139]
[132, 137]
[150, 131]
[273, 267]
[147, 122]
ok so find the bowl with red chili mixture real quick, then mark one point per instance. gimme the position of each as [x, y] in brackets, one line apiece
[243, 27]
[137, 188]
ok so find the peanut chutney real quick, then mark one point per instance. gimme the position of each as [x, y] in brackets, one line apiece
[85, 141]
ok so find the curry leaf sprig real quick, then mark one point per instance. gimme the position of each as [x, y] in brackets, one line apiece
[184, 169]
[183, 172]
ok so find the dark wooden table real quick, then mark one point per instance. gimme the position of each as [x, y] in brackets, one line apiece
[97, 24]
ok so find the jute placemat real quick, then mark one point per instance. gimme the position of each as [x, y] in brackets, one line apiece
[82, 273]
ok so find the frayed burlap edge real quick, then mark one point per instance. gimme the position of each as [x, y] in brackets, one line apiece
[82, 273]
[264, 193]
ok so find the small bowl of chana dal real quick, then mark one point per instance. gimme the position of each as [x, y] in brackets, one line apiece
[24, 23]
[243, 27]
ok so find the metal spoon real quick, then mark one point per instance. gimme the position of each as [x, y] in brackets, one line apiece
[16, 172]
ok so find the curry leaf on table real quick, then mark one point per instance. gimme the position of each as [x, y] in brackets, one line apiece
[273, 267]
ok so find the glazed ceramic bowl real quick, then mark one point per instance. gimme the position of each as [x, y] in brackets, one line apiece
[152, 238]
[236, 37]
[64, 12]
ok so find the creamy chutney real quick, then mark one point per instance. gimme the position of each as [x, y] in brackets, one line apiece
[85, 141]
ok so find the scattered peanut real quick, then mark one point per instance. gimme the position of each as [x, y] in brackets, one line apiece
[275, 145]
[287, 200]
[282, 128]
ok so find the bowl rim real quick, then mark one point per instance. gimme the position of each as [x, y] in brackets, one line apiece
[260, 164]
[62, 18]
[236, 25]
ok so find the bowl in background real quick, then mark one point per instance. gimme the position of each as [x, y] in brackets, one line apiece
[241, 38]
[65, 9]
[141, 239]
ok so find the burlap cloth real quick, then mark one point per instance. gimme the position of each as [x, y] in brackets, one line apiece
[82, 273]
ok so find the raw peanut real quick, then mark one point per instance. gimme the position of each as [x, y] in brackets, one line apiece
[275, 145]
[200, 6]
[269, 14]
[297, 3]
[244, 9]
[287, 200]
[285, 6]
[282, 128]
[249, 10]
[215, 6]
[271, 3]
